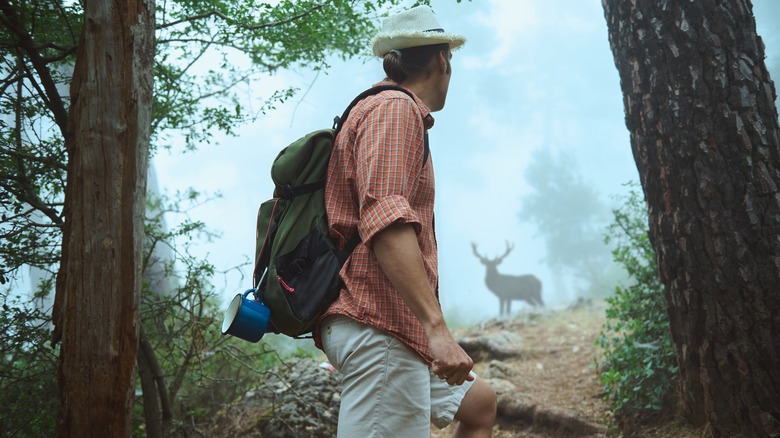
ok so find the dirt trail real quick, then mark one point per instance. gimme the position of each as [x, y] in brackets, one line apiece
[550, 387]
[541, 366]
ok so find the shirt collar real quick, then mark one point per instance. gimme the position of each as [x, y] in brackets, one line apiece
[428, 119]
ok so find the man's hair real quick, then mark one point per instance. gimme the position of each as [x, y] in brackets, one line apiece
[412, 62]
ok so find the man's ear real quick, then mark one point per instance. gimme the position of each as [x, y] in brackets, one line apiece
[444, 62]
[441, 63]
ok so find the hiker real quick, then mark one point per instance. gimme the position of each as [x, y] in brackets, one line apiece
[401, 368]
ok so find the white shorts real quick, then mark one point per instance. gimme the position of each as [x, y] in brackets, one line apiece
[387, 389]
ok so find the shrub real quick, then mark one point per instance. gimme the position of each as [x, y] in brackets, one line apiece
[28, 385]
[638, 363]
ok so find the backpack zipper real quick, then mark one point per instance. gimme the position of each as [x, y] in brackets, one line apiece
[284, 285]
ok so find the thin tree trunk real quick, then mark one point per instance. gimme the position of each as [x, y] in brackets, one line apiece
[158, 411]
[99, 281]
[700, 109]
[152, 414]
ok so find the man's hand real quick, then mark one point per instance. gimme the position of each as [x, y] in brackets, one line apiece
[398, 254]
[450, 362]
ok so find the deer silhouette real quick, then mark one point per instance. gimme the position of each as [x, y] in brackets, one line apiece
[507, 288]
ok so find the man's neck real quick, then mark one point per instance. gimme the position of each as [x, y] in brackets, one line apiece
[424, 89]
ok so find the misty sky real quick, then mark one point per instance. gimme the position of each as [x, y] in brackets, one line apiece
[534, 74]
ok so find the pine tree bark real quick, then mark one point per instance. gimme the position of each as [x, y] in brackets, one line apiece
[699, 106]
[98, 285]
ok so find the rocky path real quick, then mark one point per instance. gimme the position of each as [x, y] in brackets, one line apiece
[541, 366]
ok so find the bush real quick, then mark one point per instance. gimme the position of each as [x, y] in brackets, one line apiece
[638, 362]
[28, 385]
[188, 370]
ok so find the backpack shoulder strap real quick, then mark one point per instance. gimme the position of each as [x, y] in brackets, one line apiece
[427, 149]
[338, 122]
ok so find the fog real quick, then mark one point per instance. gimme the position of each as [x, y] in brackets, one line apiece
[531, 149]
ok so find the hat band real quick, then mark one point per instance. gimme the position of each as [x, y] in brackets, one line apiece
[434, 30]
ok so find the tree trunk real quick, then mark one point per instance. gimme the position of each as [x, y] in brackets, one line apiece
[98, 284]
[704, 132]
[151, 405]
[158, 412]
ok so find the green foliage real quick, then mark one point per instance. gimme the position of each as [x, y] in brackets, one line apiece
[210, 54]
[32, 149]
[209, 57]
[201, 369]
[639, 361]
[28, 386]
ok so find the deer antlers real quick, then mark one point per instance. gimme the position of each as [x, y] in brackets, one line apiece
[509, 248]
[474, 249]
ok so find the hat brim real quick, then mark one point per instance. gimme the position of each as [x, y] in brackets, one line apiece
[384, 42]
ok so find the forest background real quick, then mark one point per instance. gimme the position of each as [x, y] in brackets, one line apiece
[515, 124]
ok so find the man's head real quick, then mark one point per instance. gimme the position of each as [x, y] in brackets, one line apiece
[417, 52]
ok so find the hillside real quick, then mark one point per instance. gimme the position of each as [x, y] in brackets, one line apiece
[540, 364]
[542, 368]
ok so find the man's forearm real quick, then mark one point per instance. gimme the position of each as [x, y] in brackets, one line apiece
[398, 253]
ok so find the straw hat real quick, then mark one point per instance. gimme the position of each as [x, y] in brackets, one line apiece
[415, 27]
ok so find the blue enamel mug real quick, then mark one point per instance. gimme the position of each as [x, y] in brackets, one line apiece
[246, 318]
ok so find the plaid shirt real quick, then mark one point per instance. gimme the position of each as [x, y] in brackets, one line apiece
[376, 178]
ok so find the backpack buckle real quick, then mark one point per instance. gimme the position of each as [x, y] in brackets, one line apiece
[297, 267]
[286, 191]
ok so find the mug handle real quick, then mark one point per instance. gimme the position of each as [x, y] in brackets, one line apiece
[255, 293]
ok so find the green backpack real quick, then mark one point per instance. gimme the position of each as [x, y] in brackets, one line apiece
[297, 264]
